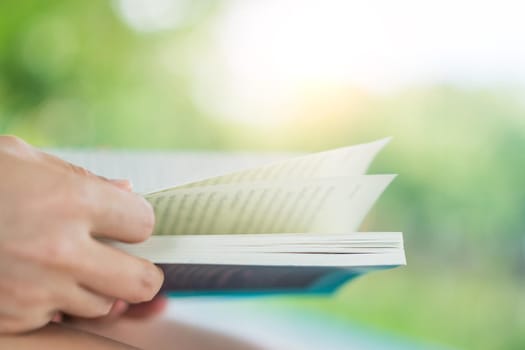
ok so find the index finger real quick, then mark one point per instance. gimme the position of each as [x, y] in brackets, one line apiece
[118, 214]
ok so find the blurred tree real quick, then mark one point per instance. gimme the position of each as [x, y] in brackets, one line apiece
[72, 73]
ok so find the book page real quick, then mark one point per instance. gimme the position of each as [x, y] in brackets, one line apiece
[267, 249]
[334, 205]
[155, 170]
[346, 161]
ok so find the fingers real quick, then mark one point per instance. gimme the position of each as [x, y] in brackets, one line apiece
[123, 184]
[118, 214]
[66, 166]
[119, 307]
[114, 211]
[57, 318]
[117, 310]
[60, 163]
[109, 271]
[147, 309]
[81, 302]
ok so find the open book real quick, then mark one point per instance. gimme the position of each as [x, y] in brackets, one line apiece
[289, 226]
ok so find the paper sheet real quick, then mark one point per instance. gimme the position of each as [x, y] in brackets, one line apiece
[346, 161]
[335, 205]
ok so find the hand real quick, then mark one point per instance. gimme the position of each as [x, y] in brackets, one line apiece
[120, 308]
[51, 213]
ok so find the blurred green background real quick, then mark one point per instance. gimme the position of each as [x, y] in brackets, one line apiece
[233, 75]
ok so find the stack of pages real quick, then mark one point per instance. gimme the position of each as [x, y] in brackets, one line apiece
[288, 226]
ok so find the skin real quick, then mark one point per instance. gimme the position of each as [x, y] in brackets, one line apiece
[51, 263]
[57, 337]
[60, 288]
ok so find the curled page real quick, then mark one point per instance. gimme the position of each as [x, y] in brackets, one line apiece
[346, 161]
[335, 205]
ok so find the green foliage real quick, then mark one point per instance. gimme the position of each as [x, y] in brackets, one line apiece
[72, 74]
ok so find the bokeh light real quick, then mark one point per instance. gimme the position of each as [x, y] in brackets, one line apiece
[445, 78]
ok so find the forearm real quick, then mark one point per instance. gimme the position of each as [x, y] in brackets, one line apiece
[56, 336]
